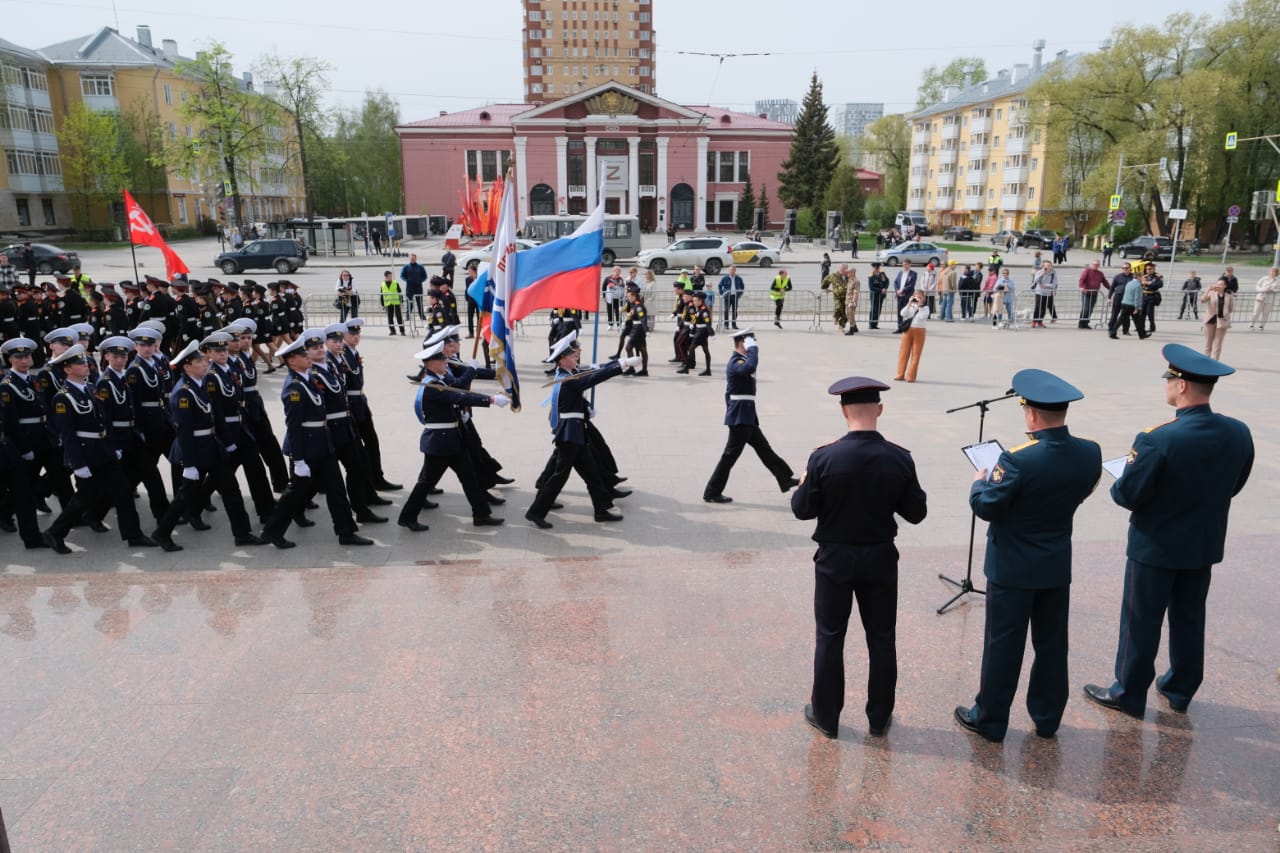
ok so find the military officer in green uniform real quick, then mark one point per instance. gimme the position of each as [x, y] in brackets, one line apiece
[1029, 499]
[1178, 483]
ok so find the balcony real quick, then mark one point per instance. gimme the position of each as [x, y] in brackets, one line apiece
[920, 137]
[1013, 202]
[917, 182]
[920, 159]
[979, 151]
[943, 199]
[948, 155]
[648, 190]
[980, 125]
[975, 202]
[1019, 118]
[1019, 145]
[975, 177]
[951, 131]
[1015, 174]
[945, 180]
[36, 183]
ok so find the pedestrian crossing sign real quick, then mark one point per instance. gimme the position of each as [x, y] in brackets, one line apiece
[1232, 138]
[1115, 203]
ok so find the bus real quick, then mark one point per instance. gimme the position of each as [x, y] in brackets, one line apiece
[621, 233]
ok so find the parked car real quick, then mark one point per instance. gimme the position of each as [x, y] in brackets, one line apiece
[472, 259]
[1038, 238]
[916, 251]
[283, 256]
[49, 259]
[1001, 238]
[1139, 246]
[714, 253]
[752, 252]
[958, 234]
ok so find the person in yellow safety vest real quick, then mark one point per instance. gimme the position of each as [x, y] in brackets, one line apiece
[685, 282]
[778, 293]
[80, 281]
[390, 296]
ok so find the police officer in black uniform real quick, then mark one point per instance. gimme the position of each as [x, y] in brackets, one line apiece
[854, 486]
[1177, 484]
[1029, 500]
[744, 426]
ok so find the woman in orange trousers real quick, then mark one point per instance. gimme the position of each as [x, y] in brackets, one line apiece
[913, 338]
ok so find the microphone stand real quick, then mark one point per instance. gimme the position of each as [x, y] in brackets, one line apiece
[966, 585]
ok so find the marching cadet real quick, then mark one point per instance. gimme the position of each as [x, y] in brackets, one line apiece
[308, 444]
[159, 305]
[148, 392]
[207, 321]
[260, 312]
[115, 320]
[279, 315]
[568, 414]
[327, 379]
[26, 430]
[701, 329]
[232, 304]
[81, 425]
[256, 420]
[222, 386]
[336, 365]
[56, 342]
[636, 331]
[460, 376]
[683, 314]
[186, 313]
[29, 325]
[17, 493]
[132, 296]
[84, 333]
[449, 301]
[201, 455]
[744, 426]
[437, 406]
[352, 364]
[1029, 501]
[294, 314]
[9, 328]
[437, 316]
[73, 305]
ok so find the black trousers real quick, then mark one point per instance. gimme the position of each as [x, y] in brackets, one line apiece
[1041, 307]
[604, 459]
[566, 459]
[140, 466]
[1009, 612]
[106, 486]
[355, 462]
[472, 310]
[325, 477]
[395, 318]
[191, 496]
[372, 447]
[255, 474]
[1120, 316]
[697, 341]
[968, 298]
[902, 303]
[20, 501]
[869, 574]
[433, 468]
[741, 436]
[268, 447]
[681, 341]
[1088, 299]
[56, 479]
[291, 504]
[485, 466]
[637, 345]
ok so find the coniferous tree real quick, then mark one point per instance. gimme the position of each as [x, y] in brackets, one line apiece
[746, 206]
[814, 154]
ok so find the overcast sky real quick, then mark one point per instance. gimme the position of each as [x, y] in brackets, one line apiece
[434, 55]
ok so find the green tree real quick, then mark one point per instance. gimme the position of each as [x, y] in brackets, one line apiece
[844, 194]
[958, 72]
[746, 206]
[237, 126]
[368, 151]
[879, 212]
[763, 203]
[298, 84]
[93, 164]
[142, 141]
[814, 153]
[887, 145]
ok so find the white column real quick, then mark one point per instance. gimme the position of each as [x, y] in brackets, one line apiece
[562, 174]
[700, 196]
[633, 169]
[591, 173]
[664, 205]
[522, 184]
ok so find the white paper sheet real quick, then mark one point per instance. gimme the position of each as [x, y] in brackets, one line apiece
[1115, 467]
[984, 455]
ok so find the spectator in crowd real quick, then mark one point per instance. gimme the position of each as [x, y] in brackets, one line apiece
[1265, 298]
[1219, 303]
[414, 276]
[914, 314]
[1190, 296]
[1091, 281]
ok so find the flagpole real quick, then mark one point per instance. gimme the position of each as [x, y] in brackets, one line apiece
[134, 253]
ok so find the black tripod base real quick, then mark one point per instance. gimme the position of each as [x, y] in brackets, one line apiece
[965, 586]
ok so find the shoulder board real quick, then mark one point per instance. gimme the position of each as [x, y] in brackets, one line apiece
[1032, 443]
[1157, 426]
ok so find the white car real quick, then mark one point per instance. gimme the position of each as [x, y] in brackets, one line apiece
[476, 257]
[752, 252]
[714, 253]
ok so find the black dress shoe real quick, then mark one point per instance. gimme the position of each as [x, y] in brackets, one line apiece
[717, 499]
[167, 544]
[500, 480]
[8, 526]
[435, 490]
[354, 539]
[618, 494]
[706, 372]
[1102, 695]
[606, 515]
[538, 522]
[42, 505]
[683, 370]
[879, 731]
[383, 486]
[378, 500]
[142, 542]
[98, 527]
[617, 480]
[790, 484]
[557, 505]
[367, 517]
[642, 373]
[494, 500]
[197, 524]
[304, 522]
[36, 545]
[311, 505]
[487, 521]
[813, 721]
[430, 505]
[1176, 705]
[964, 718]
[55, 542]
[415, 526]
[249, 540]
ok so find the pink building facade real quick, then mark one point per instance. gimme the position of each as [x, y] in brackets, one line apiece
[660, 161]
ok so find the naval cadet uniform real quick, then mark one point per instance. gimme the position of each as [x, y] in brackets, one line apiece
[222, 388]
[1178, 483]
[1029, 502]
[854, 486]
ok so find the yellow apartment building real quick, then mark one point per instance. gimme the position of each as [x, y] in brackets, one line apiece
[32, 198]
[976, 159]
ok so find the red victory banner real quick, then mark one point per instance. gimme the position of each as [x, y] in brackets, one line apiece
[143, 232]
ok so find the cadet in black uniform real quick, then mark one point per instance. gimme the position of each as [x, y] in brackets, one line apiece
[352, 364]
[854, 486]
[294, 311]
[635, 332]
[460, 376]
[437, 316]
[1178, 485]
[115, 320]
[744, 426]
[1029, 501]
[81, 425]
[256, 420]
[222, 386]
[702, 327]
[29, 445]
[186, 313]
[159, 305]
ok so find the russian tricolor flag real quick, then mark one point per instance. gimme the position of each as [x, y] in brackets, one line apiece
[564, 273]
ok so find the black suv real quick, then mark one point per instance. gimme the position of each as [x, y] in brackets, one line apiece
[1038, 238]
[1162, 247]
[959, 234]
[283, 256]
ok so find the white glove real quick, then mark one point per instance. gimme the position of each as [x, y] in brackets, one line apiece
[83, 473]
[632, 361]
[593, 366]
[28, 456]
[750, 343]
[119, 455]
[231, 448]
[501, 400]
[475, 362]
[191, 473]
[301, 469]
